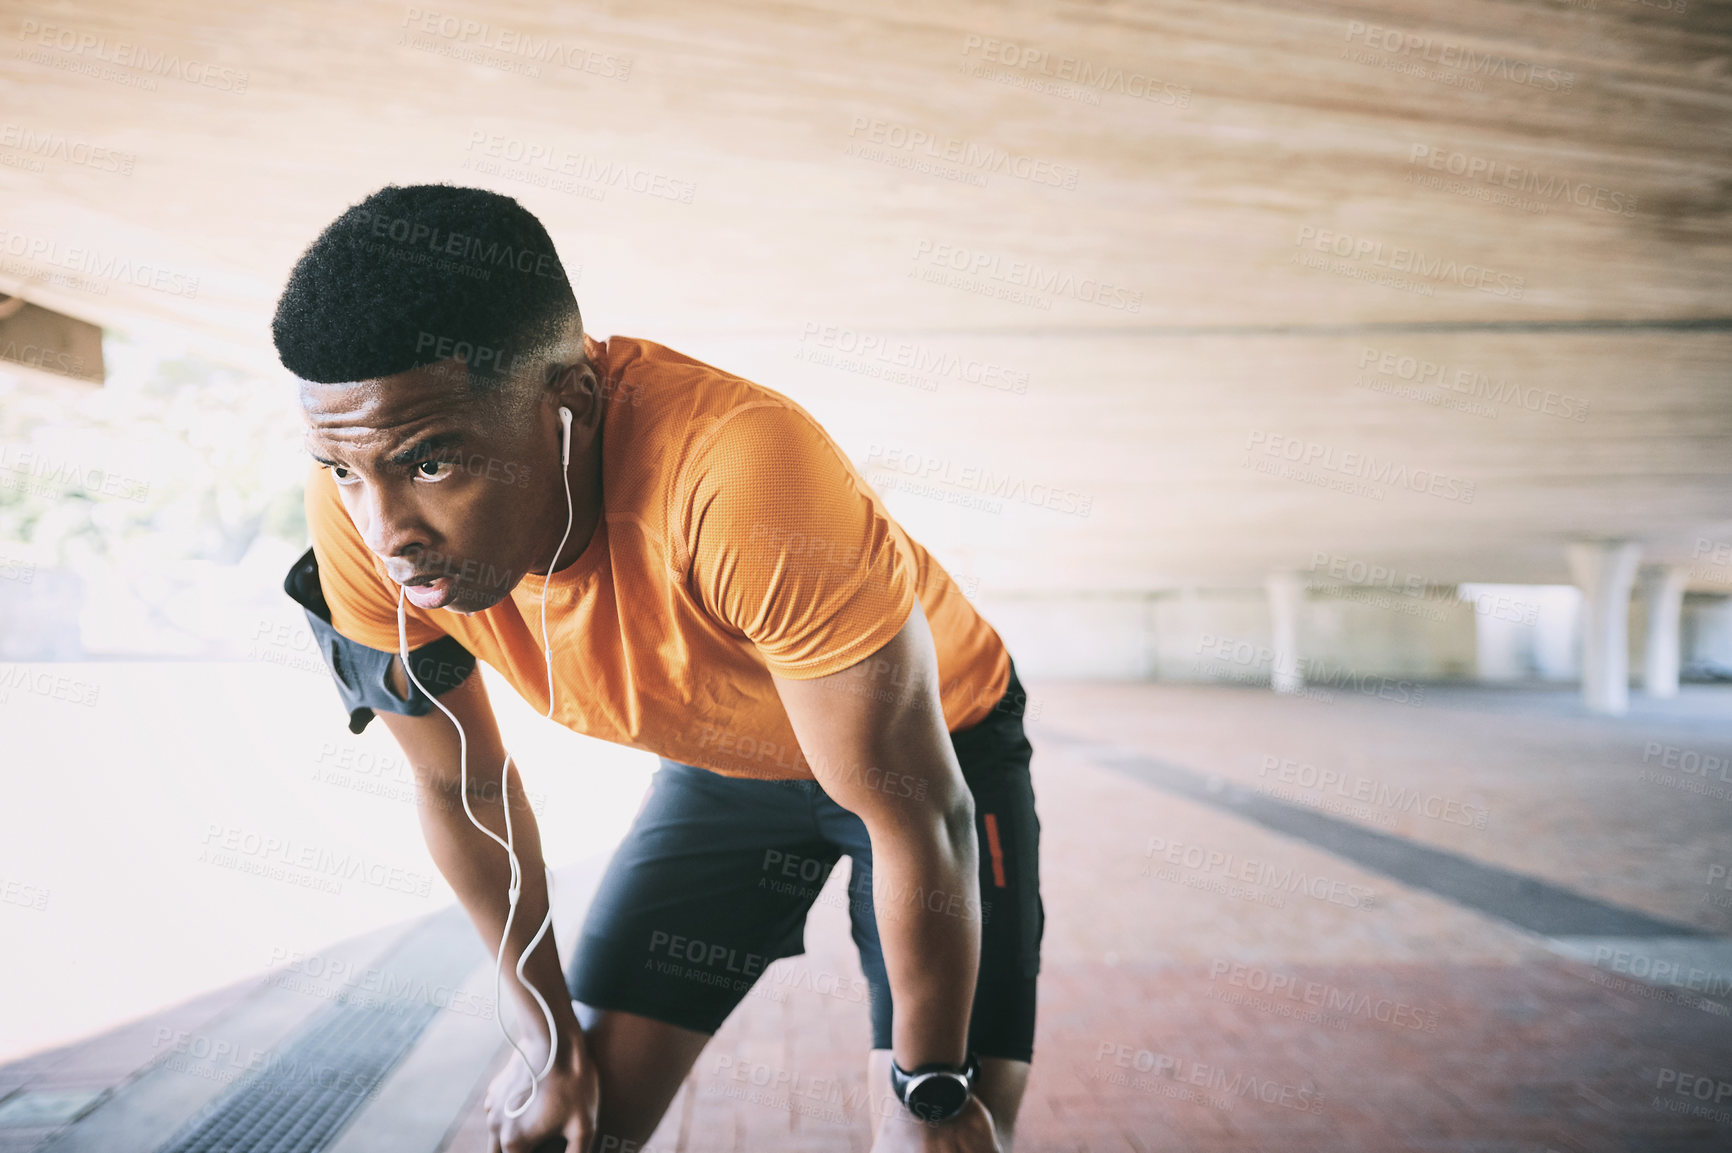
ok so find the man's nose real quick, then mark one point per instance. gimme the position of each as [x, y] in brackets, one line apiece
[394, 526]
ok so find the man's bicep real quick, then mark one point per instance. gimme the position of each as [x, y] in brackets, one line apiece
[875, 735]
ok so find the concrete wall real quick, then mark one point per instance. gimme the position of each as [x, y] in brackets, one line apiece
[1526, 632]
[1487, 632]
[1105, 637]
[1707, 629]
[1226, 635]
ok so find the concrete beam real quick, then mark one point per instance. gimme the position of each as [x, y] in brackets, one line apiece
[44, 341]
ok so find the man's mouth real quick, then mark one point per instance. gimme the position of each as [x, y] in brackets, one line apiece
[430, 592]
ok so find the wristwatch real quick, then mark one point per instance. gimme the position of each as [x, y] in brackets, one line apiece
[934, 1092]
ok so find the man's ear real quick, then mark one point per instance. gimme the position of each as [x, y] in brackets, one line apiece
[575, 384]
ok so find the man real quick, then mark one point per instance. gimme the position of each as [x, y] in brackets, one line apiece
[722, 588]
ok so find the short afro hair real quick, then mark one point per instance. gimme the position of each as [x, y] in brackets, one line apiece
[417, 274]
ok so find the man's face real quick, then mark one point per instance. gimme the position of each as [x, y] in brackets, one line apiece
[458, 493]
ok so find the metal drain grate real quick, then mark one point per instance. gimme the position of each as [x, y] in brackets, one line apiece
[300, 1099]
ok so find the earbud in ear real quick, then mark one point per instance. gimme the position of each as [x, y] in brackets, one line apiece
[565, 440]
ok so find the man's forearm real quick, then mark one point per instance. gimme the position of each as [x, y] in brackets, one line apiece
[478, 870]
[926, 893]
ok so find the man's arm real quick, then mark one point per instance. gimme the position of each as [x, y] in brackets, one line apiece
[789, 545]
[875, 736]
[475, 867]
[478, 870]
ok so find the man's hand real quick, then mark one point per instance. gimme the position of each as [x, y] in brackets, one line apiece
[565, 1104]
[970, 1131]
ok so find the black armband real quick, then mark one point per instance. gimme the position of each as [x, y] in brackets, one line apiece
[360, 671]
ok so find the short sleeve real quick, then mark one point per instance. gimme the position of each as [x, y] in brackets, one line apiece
[789, 547]
[362, 599]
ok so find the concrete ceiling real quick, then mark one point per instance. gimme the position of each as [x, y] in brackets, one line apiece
[736, 181]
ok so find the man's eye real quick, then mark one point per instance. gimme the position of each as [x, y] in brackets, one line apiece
[342, 475]
[434, 469]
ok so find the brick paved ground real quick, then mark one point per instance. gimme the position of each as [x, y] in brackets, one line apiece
[1177, 1017]
[1183, 1012]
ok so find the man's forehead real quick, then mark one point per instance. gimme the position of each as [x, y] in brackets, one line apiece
[438, 390]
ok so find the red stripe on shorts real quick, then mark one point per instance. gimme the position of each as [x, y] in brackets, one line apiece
[995, 849]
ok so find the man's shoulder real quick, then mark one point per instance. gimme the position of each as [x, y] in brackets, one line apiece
[681, 419]
[648, 379]
[693, 448]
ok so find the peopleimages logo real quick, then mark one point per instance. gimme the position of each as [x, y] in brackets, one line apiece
[95, 263]
[71, 150]
[410, 234]
[1359, 465]
[966, 153]
[1403, 259]
[891, 462]
[77, 42]
[315, 866]
[582, 167]
[1458, 56]
[921, 361]
[1266, 874]
[1075, 70]
[1500, 174]
[1322, 995]
[36, 471]
[478, 34]
[1228, 1083]
[1024, 274]
[1379, 794]
[1472, 383]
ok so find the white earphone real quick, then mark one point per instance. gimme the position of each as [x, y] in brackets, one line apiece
[515, 888]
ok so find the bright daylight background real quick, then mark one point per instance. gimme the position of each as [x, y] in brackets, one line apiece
[134, 607]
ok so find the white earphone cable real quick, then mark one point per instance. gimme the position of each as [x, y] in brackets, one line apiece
[515, 889]
[546, 645]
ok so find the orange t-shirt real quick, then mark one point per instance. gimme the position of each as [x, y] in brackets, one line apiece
[736, 540]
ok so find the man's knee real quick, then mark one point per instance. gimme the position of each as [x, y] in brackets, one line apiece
[640, 1063]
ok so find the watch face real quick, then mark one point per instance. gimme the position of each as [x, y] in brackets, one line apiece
[937, 1097]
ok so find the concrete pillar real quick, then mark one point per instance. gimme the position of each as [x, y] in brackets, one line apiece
[1663, 602]
[1286, 598]
[1605, 571]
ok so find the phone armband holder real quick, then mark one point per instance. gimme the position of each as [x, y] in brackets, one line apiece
[361, 672]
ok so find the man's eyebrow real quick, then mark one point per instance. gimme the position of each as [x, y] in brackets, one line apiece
[419, 449]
